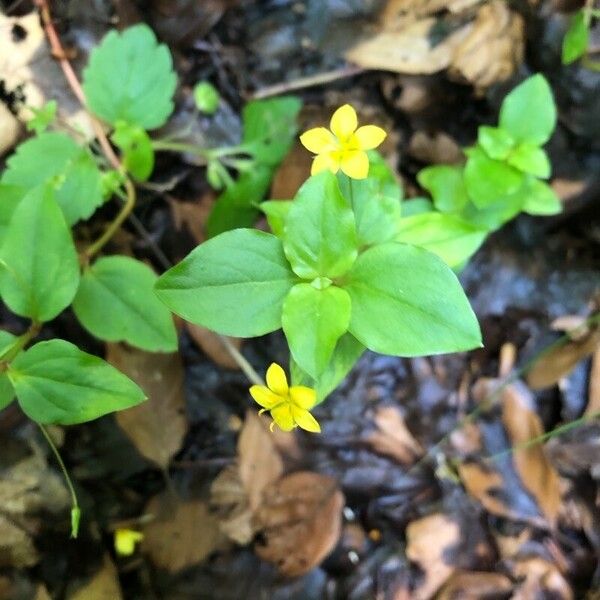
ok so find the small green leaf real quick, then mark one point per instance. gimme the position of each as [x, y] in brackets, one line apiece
[451, 238]
[206, 97]
[496, 142]
[7, 393]
[116, 303]
[136, 146]
[320, 234]
[416, 206]
[488, 180]
[375, 201]
[55, 159]
[577, 38]
[234, 284]
[130, 78]
[42, 117]
[10, 196]
[407, 302]
[276, 212]
[446, 186]
[528, 113]
[541, 199]
[57, 383]
[39, 269]
[313, 320]
[530, 159]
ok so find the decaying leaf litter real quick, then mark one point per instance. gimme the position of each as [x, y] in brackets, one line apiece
[404, 495]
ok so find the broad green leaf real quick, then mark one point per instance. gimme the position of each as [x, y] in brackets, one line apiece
[407, 302]
[320, 233]
[130, 78]
[276, 212]
[450, 237]
[136, 147]
[313, 320]
[495, 214]
[57, 383]
[528, 113]
[489, 181]
[375, 201]
[10, 196]
[7, 393]
[577, 38]
[530, 159]
[42, 117]
[234, 284]
[496, 142]
[39, 269]
[446, 185]
[270, 128]
[541, 199]
[116, 303]
[416, 206]
[54, 159]
[237, 206]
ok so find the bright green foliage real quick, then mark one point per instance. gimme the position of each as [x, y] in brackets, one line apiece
[206, 97]
[416, 206]
[10, 196]
[234, 284]
[57, 383]
[136, 150]
[7, 393]
[446, 185]
[313, 320]
[320, 232]
[42, 117]
[54, 159]
[577, 38]
[496, 142]
[276, 212]
[540, 198]
[531, 159]
[130, 78]
[116, 302]
[39, 270]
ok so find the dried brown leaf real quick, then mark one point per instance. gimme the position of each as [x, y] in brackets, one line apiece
[292, 173]
[438, 148]
[393, 437]
[212, 345]
[540, 579]
[593, 405]
[104, 585]
[16, 546]
[156, 427]
[192, 215]
[475, 585]
[300, 521]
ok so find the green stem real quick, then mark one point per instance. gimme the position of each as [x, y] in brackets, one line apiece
[19, 344]
[75, 510]
[244, 365]
[207, 153]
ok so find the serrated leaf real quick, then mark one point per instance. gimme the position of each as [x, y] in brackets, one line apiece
[7, 393]
[39, 269]
[446, 185]
[577, 38]
[130, 78]
[496, 142]
[54, 159]
[57, 383]
[531, 159]
[541, 199]
[233, 284]
[407, 302]
[116, 302]
[136, 147]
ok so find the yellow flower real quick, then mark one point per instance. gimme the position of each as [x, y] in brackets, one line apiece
[126, 540]
[289, 406]
[345, 146]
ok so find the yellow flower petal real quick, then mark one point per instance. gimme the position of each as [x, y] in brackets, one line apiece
[305, 420]
[303, 396]
[276, 380]
[355, 164]
[265, 397]
[318, 140]
[325, 162]
[126, 540]
[370, 136]
[344, 122]
[282, 415]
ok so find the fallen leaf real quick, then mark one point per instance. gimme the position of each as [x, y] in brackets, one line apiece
[567, 189]
[475, 585]
[427, 542]
[593, 405]
[182, 533]
[434, 149]
[299, 521]
[192, 215]
[292, 173]
[156, 427]
[16, 546]
[104, 584]
[212, 345]
[541, 579]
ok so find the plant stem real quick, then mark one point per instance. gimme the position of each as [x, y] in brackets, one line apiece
[19, 344]
[207, 153]
[244, 365]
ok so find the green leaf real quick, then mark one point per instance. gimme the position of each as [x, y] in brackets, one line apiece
[270, 128]
[320, 234]
[136, 147]
[42, 117]
[234, 284]
[39, 269]
[375, 201]
[541, 199]
[237, 205]
[530, 159]
[407, 302]
[10, 196]
[57, 383]
[130, 78]
[276, 212]
[496, 142]
[451, 238]
[116, 303]
[55, 159]
[446, 186]
[488, 180]
[528, 113]
[313, 320]
[206, 97]
[577, 38]
[495, 214]
[7, 393]
[416, 206]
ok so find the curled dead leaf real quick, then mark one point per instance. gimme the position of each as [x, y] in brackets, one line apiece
[593, 405]
[393, 437]
[541, 578]
[475, 585]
